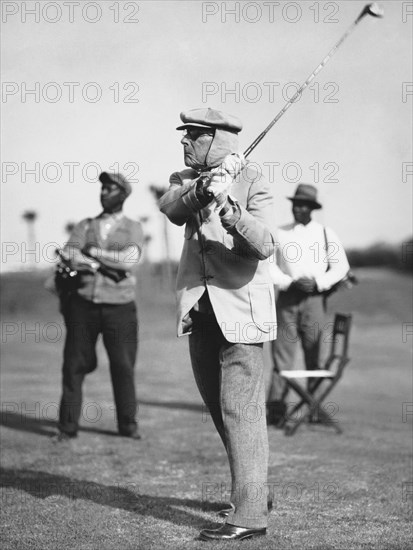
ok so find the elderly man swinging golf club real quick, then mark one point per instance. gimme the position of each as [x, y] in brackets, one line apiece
[226, 301]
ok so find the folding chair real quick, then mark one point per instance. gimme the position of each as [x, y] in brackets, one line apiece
[322, 379]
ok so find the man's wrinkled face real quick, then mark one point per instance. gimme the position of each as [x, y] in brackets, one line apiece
[111, 197]
[196, 142]
[302, 211]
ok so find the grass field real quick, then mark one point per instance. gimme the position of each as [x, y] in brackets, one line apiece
[101, 491]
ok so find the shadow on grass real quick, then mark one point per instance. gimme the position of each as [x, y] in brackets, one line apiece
[40, 426]
[43, 426]
[196, 407]
[43, 485]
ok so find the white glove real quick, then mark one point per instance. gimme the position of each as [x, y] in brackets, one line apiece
[219, 185]
[223, 177]
[233, 164]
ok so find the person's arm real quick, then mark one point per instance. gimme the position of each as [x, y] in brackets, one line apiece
[280, 279]
[250, 226]
[72, 250]
[121, 259]
[183, 200]
[337, 261]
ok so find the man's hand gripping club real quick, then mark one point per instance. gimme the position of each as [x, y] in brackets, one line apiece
[219, 180]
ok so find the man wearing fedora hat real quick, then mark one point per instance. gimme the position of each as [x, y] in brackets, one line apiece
[308, 261]
[105, 250]
[226, 301]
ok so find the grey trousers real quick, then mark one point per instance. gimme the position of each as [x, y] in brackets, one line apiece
[230, 380]
[300, 318]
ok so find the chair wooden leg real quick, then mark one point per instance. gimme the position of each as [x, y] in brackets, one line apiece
[291, 426]
[289, 429]
[326, 419]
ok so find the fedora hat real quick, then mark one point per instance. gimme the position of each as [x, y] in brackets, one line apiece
[308, 193]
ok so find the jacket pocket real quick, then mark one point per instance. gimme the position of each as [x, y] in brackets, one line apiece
[262, 306]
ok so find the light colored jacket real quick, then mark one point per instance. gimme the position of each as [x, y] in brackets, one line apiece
[224, 255]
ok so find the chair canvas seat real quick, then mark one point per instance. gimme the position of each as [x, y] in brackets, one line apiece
[320, 373]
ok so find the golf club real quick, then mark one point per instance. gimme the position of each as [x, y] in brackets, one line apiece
[370, 9]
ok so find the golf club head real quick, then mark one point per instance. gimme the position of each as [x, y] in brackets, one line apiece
[372, 9]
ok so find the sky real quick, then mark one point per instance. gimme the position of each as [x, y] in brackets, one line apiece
[93, 86]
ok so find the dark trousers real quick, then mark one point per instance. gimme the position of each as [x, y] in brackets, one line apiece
[300, 318]
[118, 325]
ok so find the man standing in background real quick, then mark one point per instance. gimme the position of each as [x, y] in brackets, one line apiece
[308, 262]
[106, 250]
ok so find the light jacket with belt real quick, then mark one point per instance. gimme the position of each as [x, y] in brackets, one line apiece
[224, 255]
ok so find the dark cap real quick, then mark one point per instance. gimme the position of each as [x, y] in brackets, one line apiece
[210, 118]
[308, 193]
[118, 179]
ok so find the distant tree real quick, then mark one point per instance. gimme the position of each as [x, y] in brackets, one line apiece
[30, 217]
[383, 255]
[147, 238]
[157, 192]
[69, 227]
[407, 255]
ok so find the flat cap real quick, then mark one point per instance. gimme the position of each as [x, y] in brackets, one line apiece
[118, 179]
[210, 118]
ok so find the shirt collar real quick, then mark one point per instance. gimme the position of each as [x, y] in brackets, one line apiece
[111, 217]
[302, 226]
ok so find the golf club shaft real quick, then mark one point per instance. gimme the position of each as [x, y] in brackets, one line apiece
[303, 87]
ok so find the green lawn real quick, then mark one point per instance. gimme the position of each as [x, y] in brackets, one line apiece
[101, 491]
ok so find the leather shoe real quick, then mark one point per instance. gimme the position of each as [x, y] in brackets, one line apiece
[60, 437]
[231, 532]
[276, 414]
[226, 511]
[132, 435]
